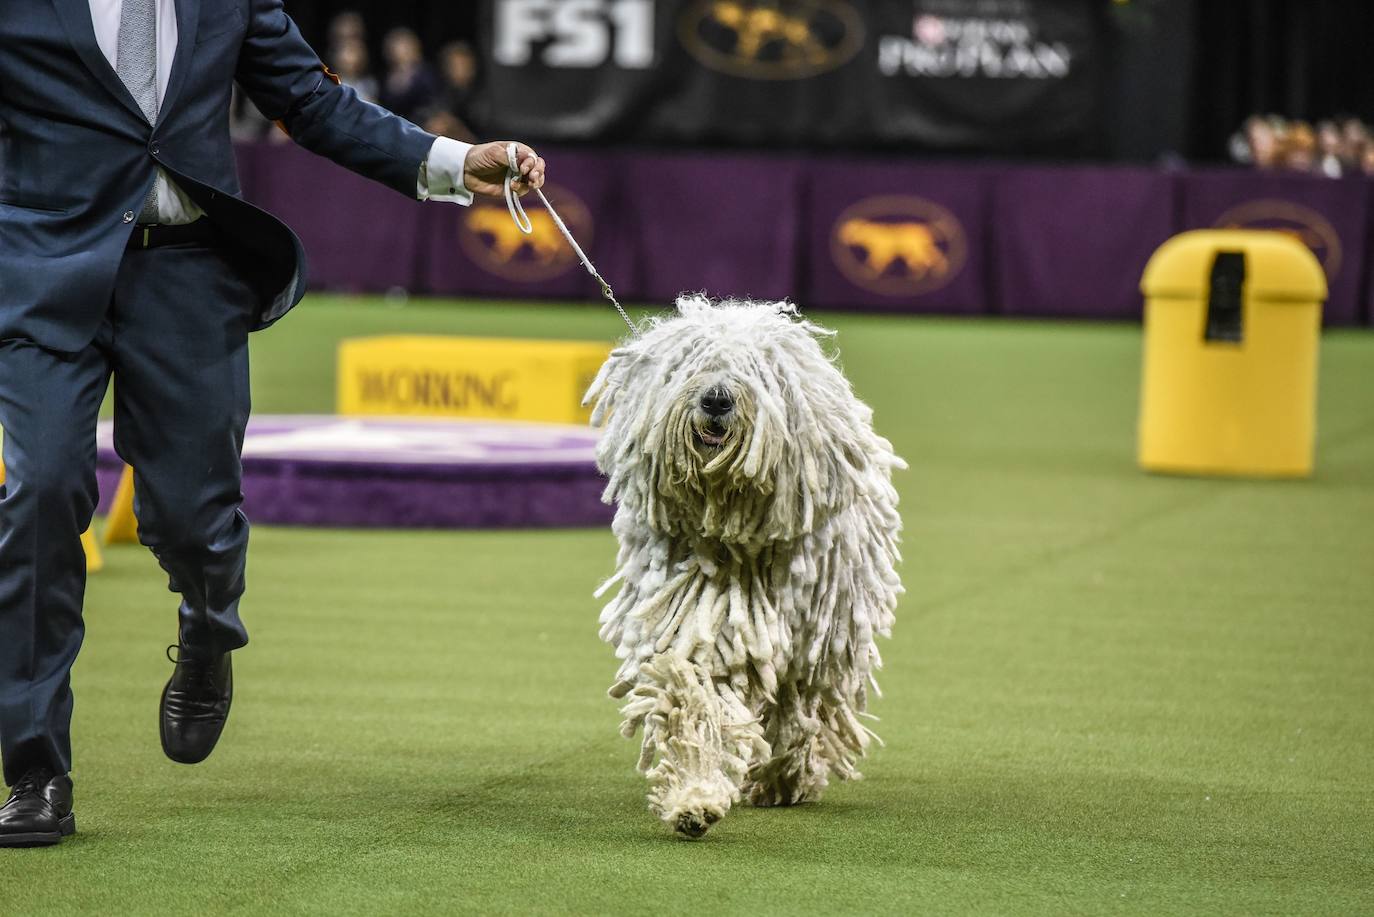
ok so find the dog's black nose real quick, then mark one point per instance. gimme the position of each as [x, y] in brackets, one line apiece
[717, 402]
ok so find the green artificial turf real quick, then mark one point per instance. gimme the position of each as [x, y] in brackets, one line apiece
[1108, 693]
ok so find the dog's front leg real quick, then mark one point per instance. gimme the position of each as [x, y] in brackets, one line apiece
[697, 742]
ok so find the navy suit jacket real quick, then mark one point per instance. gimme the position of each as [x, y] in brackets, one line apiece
[79, 157]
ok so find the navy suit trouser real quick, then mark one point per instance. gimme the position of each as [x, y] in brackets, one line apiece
[175, 339]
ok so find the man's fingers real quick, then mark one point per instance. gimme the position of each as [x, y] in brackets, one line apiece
[532, 170]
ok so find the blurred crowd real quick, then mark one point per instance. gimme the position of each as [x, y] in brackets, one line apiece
[434, 93]
[1335, 147]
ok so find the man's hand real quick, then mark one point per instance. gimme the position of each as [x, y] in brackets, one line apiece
[484, 172]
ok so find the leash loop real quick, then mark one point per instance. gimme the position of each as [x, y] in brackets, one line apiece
[517, 209]
[522, 220]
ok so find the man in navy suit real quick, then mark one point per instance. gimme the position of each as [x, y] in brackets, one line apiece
[126, 250]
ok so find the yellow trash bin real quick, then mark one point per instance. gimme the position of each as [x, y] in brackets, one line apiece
[1232, 323]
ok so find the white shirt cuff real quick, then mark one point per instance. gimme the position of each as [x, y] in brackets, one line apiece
[441, 175]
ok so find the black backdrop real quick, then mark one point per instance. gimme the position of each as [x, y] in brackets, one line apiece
[982, 76]
[1181, 74]
[1305, 59]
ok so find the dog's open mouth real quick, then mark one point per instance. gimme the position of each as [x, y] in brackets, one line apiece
[712, 435]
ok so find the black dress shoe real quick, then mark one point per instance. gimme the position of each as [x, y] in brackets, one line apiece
[39, 811]
[195, 705]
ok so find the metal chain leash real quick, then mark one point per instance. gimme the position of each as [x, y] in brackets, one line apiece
[522, 220]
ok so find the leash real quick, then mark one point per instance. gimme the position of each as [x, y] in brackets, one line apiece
[522, 220]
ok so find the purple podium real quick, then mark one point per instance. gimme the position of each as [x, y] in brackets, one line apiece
[409, 473]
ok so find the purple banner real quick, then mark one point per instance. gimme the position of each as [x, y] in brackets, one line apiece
[898, 238]
[1369, 266]
[725, 228]
[360, 236]
[1074, 242]
[877, 234]
[479, 249]
[1330, 216]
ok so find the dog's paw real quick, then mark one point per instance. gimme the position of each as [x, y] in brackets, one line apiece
[691, 811]
[694, 825]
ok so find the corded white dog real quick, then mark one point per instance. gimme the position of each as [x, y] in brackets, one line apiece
[758, 534]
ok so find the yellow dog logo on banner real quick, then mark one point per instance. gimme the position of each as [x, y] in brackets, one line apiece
[884, 244]
[1302, 223]
[506, 240]
[785, 40]
[898, 245]
[492, 240]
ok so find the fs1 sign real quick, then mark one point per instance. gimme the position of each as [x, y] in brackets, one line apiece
[575, 33]
[967, 75]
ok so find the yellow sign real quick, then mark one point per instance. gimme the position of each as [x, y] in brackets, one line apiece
[121, 525]
[504, 379]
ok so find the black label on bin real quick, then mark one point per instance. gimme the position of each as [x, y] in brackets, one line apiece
[1224, 309]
